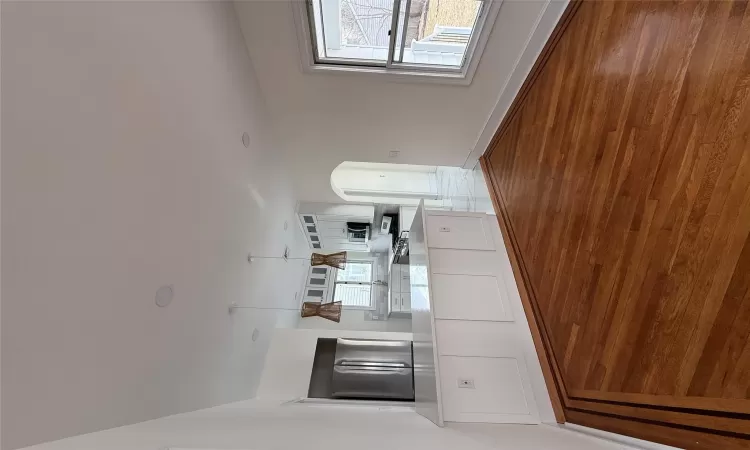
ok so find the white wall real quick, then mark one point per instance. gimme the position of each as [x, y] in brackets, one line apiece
[289, 362]
[325, 119]
[123, 170]
[252, 425]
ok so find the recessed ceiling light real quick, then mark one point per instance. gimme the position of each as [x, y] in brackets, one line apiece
[164, 296]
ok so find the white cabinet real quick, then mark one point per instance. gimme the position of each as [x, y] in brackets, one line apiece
[483, 373]
[485, 390]
[400, 302]
[396, 302]
[319, 284]
[481, 349]
[405, 278]
[332, 230]
[395, 282]
[324, 225]
[470, 297]
[467, 232]
[400, 289]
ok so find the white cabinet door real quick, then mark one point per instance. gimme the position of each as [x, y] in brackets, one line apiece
[318, 284]
[470, 297]
[395, 282]
[405, 279]
[489, 390]
[319, 276]
[468, 232]
[405, 302]
[395, 301]
[332, 230]
[484, 374]
[315, 294]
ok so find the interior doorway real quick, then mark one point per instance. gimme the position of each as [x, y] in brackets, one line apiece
[441, 187]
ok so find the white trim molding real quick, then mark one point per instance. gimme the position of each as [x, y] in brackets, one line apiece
[462, 76]
[614, 437]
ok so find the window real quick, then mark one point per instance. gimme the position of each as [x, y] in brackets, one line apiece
[353, 286]
[435, 37]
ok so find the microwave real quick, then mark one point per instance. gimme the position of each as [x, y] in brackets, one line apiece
[358, 232]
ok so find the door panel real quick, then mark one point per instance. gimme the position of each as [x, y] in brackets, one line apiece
[332, 229]
[470, 297]
[396, 301]
[624, 197]
[497, 393]
[468, 233]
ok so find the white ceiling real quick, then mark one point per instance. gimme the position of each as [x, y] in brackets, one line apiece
[324, 119]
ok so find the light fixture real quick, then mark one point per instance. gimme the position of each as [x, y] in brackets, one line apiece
[164, 296]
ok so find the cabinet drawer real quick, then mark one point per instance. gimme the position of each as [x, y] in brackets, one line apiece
[396, 301]
[459, 232]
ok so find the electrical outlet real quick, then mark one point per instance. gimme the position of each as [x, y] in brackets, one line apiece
[466, 383]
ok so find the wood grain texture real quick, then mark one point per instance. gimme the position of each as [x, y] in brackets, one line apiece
[621, 178]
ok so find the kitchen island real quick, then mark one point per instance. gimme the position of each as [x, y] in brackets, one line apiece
[474, 359]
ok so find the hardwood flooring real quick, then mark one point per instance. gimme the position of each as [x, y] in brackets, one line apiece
[621, 176]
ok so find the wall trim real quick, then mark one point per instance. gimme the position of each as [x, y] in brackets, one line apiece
[543, 28]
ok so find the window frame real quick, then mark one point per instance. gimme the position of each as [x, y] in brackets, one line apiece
[335, 283]
[400, 71]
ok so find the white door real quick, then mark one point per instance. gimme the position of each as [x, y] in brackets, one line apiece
[483, 373]
[395, 282]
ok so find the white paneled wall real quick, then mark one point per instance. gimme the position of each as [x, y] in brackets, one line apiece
[468, 231]
[481, 344]
[499, 393]
[483, 297]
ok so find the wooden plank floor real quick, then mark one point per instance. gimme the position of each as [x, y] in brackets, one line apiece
[623, 175]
